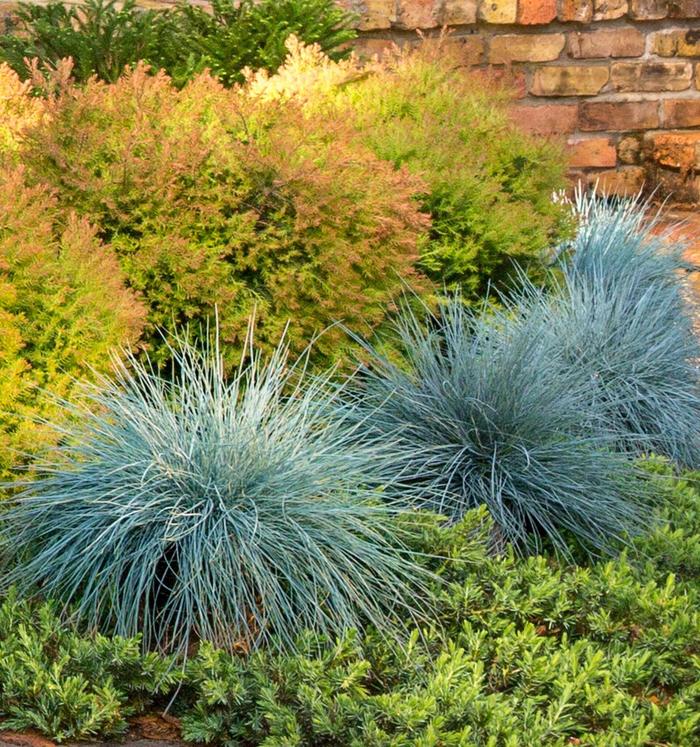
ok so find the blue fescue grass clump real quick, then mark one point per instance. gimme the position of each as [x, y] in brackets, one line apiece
[192, 508]
[625, 316]
[489, 413]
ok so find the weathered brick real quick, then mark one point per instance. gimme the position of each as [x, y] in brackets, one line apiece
[628, 150]
[470, 49]
[533, 12]
[498, 11]
[459, 12]
[365, 48]
[579, 11]
[651, 76]
[682, 186]
[608, 10]
[372, 14]
[624, 182]
[681, 113]
[618, 116]
[508, 78]
[676, 150]
[594, 152]
[606, 43]
[648, 10]
[684, 8]
[697, 76]
[569, 80]
[525, 48]
[677, 42]
[418, 14]
[664, 43]
[545, 119]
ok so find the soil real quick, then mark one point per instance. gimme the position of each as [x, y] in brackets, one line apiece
[150, 730]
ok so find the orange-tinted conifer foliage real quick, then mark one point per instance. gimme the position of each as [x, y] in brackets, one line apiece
[211, 197]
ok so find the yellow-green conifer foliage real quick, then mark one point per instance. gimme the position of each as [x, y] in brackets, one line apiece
[488, 184]
[18, 110]
[63, 308]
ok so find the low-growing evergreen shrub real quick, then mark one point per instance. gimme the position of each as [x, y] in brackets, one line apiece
[68, 686]
[233, 36]
[194, 509]
[63, 307]
[530, 651]
[488, 185]
[210, 197]
[488, 413]
[102, 37]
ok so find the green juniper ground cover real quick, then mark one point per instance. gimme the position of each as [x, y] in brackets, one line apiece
[321, 421]
[533, 651]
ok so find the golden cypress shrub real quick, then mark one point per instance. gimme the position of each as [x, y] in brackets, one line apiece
[63, 308]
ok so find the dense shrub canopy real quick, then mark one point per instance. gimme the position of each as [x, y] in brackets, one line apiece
[488, 185]
[63, 307]
[210, 197]
[195, 509]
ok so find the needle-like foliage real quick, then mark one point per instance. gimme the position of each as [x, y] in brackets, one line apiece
[492, 415]
[625, 316]
[192, 508]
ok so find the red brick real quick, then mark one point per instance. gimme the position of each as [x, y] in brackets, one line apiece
[459, 12]
[618, 116]
[606, 43]
[498, 11]
[664, 43]
[681, 112]
[624, 182]
[366, 48]
[608, 10]
[595, 152]
[372, 14]
[579, 11]
[677, 42]
[628, 150]
[525, 48]
[569, 80]
[534, 12]
[469, 49]
[418, 14]
[684, 8]
[512, 80]
[676, 150]
[545, 119]
[651, 76]
[647, 10]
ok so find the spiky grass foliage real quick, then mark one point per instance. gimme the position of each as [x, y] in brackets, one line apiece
[621, 239]
[489, 414]
[625, 316]
[193, 509]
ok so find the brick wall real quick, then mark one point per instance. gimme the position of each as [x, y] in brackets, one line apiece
[619, 79]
